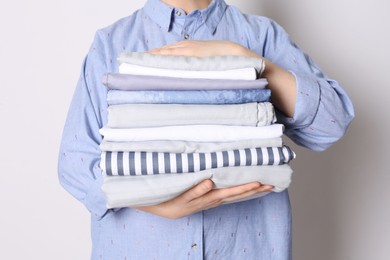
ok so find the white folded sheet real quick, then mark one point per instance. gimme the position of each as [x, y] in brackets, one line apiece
[241, 74]
[174, 62]
[195, 133]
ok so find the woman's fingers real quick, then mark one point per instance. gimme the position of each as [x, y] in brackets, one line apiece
[174, 50]
[219, 195]
[263, 188]
[204, 48]
[202, 197]
[200, 48]
[197, 191]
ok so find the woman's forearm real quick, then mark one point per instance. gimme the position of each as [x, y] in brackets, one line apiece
[281, 82]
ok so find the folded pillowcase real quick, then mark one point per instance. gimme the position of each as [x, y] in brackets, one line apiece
[139, 82]
[131, 191]
[195, 133]
[151, 115]
[187, 146]
[237, 96]
[227, 62]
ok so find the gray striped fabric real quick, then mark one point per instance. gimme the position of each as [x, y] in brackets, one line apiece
[149, 163]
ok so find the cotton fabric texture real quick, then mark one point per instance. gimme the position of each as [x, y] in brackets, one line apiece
[254, 229]
[139, 82]
[153, 115]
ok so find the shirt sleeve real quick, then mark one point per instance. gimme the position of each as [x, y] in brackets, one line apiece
[323, 110]
[79, 156]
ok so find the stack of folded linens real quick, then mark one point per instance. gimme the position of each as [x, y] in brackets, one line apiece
[174, 121]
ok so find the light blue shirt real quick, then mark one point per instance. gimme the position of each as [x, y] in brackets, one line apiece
[255, 229]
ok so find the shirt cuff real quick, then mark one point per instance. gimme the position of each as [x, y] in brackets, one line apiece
[95, 200]
[306, 105]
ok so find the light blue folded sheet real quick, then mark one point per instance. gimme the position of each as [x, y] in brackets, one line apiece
[115, 97]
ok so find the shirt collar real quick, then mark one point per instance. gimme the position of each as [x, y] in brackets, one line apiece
[213, 14]
[161, 13]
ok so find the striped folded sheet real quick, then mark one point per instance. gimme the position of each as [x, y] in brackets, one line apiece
[150, 163]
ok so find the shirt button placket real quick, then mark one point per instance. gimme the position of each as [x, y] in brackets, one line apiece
[195, 240]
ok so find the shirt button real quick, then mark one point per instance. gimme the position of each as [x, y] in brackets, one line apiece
[178, 13]
[186, 36]
[194, 246]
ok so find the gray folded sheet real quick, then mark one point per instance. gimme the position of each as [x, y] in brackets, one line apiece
[140, 82]
[172, 146]
[151, 115]
[227, 62]
[130, 191]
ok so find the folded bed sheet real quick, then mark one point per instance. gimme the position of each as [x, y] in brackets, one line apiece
[150, 163]
[187, 146]
[130, 191]
[216, 63]
[139, 82]
[195, 133]
[235, 74]
[236, 96]
[151, 115]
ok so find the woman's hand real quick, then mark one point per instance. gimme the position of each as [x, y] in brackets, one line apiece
[204, 49]
[202, 197]
[281, 82]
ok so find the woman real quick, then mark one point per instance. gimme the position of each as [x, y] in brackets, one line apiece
[315, 110]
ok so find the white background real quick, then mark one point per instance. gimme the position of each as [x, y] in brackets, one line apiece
[340, 197]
